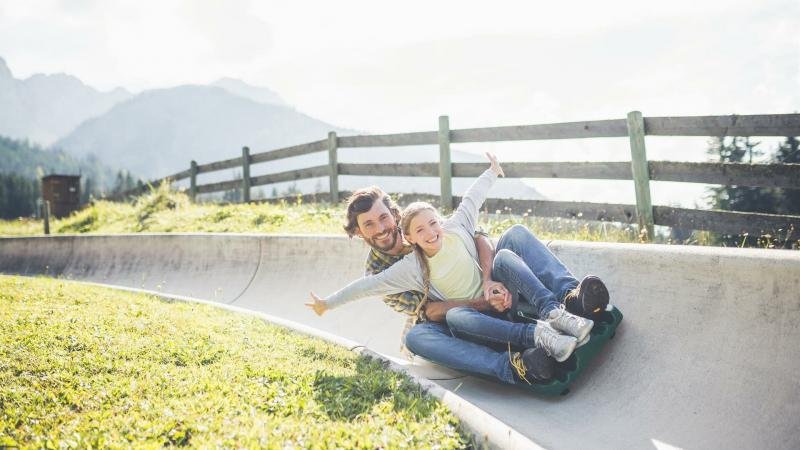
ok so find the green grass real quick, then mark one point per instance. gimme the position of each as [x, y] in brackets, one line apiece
[89, 367]
[164, 211]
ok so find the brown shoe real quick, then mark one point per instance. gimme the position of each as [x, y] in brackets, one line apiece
[589, 299]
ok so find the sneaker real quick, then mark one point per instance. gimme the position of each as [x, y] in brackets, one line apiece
[589, 299]
[555, 344]
[533, 365]
[568, 323]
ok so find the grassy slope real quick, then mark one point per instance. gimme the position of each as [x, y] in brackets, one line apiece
[85, 366]
[164, 211]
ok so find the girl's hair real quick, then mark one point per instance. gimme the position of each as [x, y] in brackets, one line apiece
[409, 213]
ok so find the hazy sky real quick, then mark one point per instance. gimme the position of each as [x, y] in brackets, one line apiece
[396, 66]
[381, 66]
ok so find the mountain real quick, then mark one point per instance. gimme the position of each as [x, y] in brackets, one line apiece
[159, 132]
[43, 108]
[254, 93]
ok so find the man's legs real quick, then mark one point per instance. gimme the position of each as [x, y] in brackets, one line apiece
[551, 272]
[434, 341]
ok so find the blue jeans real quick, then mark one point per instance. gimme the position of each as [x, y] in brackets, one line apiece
[530, 271]
[471, 341]
[475, 342]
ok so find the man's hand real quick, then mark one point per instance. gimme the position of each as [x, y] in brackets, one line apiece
[319, 306]
[497, 295]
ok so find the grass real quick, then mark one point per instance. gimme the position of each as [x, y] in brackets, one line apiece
[164, 211]
[89, 367]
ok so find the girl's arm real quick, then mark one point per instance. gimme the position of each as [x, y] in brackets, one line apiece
[466, 215]
[400, 277]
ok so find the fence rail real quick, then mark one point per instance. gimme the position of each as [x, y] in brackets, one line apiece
[639, 169]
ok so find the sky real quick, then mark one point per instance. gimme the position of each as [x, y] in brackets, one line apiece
[381, 67]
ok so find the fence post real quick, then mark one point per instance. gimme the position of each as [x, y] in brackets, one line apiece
[641, 174]
[46, 207]
[445, 167]
[193, 180]
[246, 174]
[333, 164]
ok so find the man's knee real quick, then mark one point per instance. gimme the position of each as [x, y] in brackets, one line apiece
[455, 316]
[417, 336]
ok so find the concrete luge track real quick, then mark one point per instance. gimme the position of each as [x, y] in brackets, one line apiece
[708, 355]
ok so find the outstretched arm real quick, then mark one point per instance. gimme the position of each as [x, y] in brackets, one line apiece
[399, 277]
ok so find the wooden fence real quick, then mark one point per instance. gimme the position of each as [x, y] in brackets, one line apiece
[639, 170]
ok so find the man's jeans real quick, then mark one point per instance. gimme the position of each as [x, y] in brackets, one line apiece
[475, 342]
[471, 341]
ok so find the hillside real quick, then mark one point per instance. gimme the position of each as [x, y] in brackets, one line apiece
[32, 161]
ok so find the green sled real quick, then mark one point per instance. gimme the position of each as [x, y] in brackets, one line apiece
[605, 326]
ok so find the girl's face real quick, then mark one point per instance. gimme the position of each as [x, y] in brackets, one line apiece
[426, 231]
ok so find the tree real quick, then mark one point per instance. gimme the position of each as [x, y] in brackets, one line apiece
[18, 195]
[788, 199]
[740, 198]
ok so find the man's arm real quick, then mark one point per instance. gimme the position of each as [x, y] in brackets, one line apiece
[436, 311]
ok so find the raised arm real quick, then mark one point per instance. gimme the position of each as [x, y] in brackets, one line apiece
[466, 215]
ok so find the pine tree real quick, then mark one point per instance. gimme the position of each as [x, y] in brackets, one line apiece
[740, 198]
[17, 196]
[788, 199]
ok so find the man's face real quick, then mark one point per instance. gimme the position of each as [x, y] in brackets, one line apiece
[378, 227]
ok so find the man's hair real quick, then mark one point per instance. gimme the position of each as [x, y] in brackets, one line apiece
[362, 201]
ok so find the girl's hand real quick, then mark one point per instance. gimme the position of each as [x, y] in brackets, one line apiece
[495, 166]
[318, 306]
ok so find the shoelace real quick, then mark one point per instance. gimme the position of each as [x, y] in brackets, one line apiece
[516, 362]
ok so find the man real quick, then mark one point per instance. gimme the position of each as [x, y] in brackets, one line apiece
[373, 216]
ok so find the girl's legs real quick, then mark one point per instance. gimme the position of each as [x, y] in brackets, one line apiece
[551, 272]
[586, 298]
[511, 270]
[517, 275]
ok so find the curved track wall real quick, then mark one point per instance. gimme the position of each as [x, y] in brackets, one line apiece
[708, 355]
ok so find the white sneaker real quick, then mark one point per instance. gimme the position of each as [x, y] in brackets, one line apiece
[568, 323]
[559, 346]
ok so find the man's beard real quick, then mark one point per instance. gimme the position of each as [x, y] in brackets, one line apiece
[395, 234]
